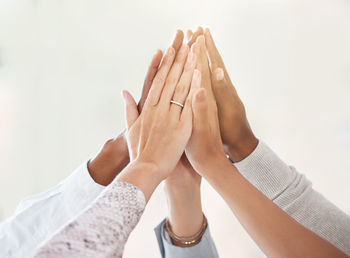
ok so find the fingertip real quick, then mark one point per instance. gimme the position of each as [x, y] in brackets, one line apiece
[200, 29]
[157, 58]
[124, 94]
[178, 39]
[158, 52]
[179, 32]
[189, 34]
[207, 32]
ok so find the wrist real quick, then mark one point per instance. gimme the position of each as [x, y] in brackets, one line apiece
[110, 161]
[243, 148]
[220, 160]
[185, 216]
[207, 163]
[177, 190]
[189, 239]
[144, 175]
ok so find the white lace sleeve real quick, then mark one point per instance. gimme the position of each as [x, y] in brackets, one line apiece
[102, 229]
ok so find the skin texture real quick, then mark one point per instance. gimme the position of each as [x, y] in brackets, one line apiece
[276, 233]
[157, 137]
[237, 136]
[114, 156]
[182, 187]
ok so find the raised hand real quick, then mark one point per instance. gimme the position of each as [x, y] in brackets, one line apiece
[236, 133]
[114, 156]
[157, 137]
[206, 123]
[182, 189]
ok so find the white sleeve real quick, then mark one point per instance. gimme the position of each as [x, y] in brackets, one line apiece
[39, 216]
[293, 193]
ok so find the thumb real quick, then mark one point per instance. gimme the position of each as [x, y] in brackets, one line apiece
[200, 108]
[222, 91]
[131, 112]
[218, 79]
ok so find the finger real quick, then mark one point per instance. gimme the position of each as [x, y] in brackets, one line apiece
[214, 55]
[152, 71]
[195, 86]
[178, 40]
[189, 34]
[195, 36]
[203, 65]
[159, 79]
[153, 68]
[220, 88]
[131, 112]
[183, 87]
[174, 75]
[200, 110]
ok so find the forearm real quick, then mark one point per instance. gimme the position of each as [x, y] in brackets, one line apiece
[185, 209]
[102, 229]
[293, 193]
[277, 234]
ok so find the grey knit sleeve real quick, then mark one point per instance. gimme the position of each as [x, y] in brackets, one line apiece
[102, 229]
[292, 192]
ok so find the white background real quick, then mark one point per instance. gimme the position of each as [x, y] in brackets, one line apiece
[63, 64]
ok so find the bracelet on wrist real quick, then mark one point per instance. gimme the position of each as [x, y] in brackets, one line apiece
[186, 241]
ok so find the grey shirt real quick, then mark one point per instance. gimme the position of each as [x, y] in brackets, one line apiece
[290, 190]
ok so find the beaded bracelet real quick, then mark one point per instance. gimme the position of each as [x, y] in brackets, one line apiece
[187, 241]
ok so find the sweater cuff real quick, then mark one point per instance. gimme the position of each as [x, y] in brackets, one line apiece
[269, 174]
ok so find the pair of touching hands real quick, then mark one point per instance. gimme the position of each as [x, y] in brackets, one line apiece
[170, 138]
[181, 143]
[177, 144]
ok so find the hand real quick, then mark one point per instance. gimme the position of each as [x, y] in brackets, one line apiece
[205, 143]
[114, 155]
[158, 135]
[182, 188]
[236, 133]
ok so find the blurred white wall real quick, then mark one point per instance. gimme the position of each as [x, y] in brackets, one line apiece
[63, 64]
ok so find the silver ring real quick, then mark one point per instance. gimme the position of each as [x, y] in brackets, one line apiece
[176, 103]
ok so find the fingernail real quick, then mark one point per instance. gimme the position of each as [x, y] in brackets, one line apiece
[219, 74]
